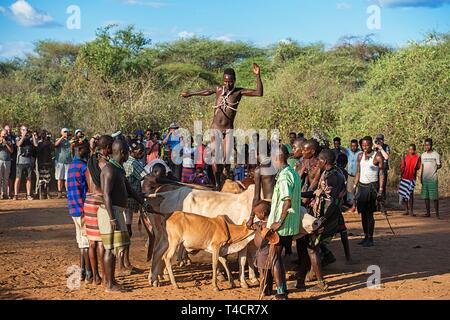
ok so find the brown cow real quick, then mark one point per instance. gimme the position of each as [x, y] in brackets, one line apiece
[216, 234]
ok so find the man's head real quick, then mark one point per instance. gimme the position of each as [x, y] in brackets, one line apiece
[337, 143]
[64, 132]
[137, 150]
[367, 144]
[120, 151]
[159, 170]
[327, 159]
[262, 210]
[342, 160]
[229, 79]
[148, 134]
[23, 130]
[379, 140]
[79, 133]
[81, 149]
[412, 149]
[292, 137]
[428, 145]
[281, 155]
[354, 145]
[298, 148]
[104, 143]
[139, 135]
[310, 148]
[8, 129]
[301, 135]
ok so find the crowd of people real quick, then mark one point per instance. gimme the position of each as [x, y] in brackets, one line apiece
[103, 178]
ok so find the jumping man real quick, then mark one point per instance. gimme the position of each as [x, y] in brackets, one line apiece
[228, 98]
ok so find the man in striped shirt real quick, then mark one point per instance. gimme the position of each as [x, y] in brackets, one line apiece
[135, 173]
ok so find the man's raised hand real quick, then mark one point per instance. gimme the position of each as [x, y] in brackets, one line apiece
[256, 69]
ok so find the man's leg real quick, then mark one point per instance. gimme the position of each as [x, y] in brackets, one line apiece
[279, 273]
[370, 229]
[28, 186]
[436, 208]
[94, 259]
[428, 207]
[110, 263]
[304, 261]
[315, 264]
[364, 221]
[346, 245]
[411, 204]
[16, 187]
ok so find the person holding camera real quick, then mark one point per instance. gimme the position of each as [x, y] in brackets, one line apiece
[385, 151]
[44, 164]
[63, 158]
[25, 161]
[6, 150]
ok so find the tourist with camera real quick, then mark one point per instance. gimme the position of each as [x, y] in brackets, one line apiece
[26, 143]
[6, 149]
[63, 158]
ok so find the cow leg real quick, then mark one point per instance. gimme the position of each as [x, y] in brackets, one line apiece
[242, 262]
[168, 260]
[223, 261]
[215, 257]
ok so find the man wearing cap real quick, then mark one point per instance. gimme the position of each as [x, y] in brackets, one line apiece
[385, 151]
[171, 141]
[63, 158]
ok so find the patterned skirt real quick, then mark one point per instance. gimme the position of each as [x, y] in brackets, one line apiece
[91, 205]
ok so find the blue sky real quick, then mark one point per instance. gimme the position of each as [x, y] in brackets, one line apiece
[262, 22]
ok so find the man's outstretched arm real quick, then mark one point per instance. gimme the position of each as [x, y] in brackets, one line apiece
[259, 92]
[203, 93]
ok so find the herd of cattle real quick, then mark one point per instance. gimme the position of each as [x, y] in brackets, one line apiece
[196, 219]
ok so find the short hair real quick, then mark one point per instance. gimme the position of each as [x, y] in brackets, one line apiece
[429, 140]
[300, 135]
[293, 133]
[367, 139]
[328, 155]
[412, 145]
[105, 141]
[337, 139]
[354, 141]
[312, 143]
[230, 72]
[299, 141]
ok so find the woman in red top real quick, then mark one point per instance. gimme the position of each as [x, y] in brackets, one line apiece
[410, 166]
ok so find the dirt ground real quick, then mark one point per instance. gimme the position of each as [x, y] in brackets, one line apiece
[37, 246]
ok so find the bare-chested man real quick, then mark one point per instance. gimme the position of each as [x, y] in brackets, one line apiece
[228, 98]
[308, 169]
[116, 190]
[264, 176]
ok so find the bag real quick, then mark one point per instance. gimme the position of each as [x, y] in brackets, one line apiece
[308, 224]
